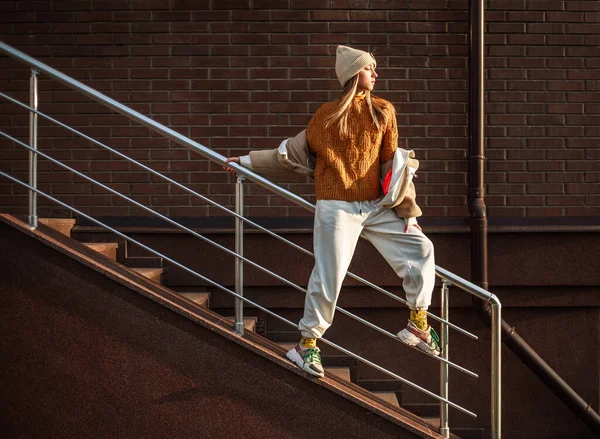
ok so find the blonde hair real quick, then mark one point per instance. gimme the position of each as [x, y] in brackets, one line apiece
[340, 115]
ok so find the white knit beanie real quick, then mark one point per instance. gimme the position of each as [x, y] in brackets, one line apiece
[349, 61]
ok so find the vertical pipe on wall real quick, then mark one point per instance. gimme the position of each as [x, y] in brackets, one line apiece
[479, 249]
[476, 190]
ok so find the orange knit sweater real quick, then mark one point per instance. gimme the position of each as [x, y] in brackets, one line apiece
[347, 169]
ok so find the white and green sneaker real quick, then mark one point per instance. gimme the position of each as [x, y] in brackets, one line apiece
[428, 341]
[308, 359]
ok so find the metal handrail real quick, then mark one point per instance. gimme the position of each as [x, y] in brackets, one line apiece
[495, 306]
[237, 296]
[225, 249]
[202, 150]
[161, 129]
[231, 212]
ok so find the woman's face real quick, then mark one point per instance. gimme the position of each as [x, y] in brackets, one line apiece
[366, 79]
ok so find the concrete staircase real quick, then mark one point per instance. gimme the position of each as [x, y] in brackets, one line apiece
[387, 392]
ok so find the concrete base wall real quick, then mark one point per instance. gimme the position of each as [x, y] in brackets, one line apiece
[547, 282]
[85, 357]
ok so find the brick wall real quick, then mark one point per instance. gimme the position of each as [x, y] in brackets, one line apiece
[242, 74]
[543, 106]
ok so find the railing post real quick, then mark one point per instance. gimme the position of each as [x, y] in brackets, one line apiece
[496, 414]
[444, 332]
[239, 249]
[33, 137]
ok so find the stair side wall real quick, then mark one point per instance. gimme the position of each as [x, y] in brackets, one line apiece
[83, 356]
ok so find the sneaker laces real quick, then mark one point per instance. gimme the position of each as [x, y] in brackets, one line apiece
[311, 355]
[435, 338]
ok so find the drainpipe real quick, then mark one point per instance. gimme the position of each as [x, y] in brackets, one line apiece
[479, 247]
[476, 189]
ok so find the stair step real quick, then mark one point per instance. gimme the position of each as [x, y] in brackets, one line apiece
[144, 262]
[340, 372]
[287, 345]
[108, 249]
[154, 274]
[62, 225]
[201, 299]
[389, 397]
[423, 410]
[434, 422]
[249, 323]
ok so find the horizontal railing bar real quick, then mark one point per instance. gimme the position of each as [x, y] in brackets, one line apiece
[215, 284]
[275, 235]
[225, 249]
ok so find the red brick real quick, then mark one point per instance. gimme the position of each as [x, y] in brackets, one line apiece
[511, 28]
[583, 211]
[565, 200]
[586, 51]
[593, 177]
[589, 165]
[583, 188]
[564, 17]
[506, 5]
[407, 16]
[262, 16]
[545, 120]
[505, 119]
[505, 189]
[506, 51]
[389, 4]
[546, 142]
[546, 74]
[566, 39]
[330, 15]
[428, 27]
[526, 177]
[529, 16]
[371, 16]
[585, 29]
[545, 211]
[525, 200]
[583, 120]
[527, 62]
[545, 97]
[583, 97]
[546, 28]
[585, 74]
[349, 27]
[565, 108]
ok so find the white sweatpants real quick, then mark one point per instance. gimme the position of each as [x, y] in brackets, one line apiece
[338, 226]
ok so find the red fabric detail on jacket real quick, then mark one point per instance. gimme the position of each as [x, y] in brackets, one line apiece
[385, 184]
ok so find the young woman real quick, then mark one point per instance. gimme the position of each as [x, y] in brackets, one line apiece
[352, 139]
